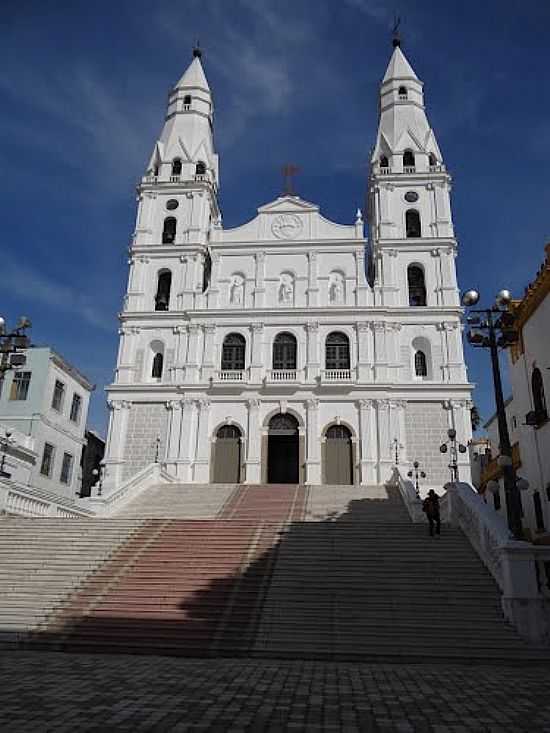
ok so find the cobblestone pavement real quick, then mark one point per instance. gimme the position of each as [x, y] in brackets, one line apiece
[44, 691]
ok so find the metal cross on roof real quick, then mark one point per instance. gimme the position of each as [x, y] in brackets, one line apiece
[289, 170]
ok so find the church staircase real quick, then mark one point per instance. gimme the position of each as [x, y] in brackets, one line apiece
[278, 571]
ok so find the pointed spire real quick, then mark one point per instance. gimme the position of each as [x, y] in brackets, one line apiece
[399, 67]
[194, 75]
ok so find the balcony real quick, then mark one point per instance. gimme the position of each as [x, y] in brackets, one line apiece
[230, 375]
[385, 170]
[175, 179]
[336, 375]
[409, 169]
[282, 375]
[492, 471]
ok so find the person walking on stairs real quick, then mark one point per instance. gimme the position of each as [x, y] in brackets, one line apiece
[430, 507]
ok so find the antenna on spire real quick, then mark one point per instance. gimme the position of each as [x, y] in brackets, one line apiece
[197, 53]
[396, 40]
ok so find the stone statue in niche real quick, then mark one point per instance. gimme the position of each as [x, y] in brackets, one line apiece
[286, 289]
[236, 295]
[336, 288]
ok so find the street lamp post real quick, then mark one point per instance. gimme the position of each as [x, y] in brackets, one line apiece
[416, 474]
[454, 449]
[494, 328]
[11, 343]
[396, 445]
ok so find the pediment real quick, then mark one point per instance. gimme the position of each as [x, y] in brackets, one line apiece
[288, 204]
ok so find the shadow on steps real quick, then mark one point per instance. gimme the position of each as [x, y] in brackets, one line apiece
[353, 586]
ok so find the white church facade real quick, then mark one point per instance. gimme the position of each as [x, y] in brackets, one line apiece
[290, 349]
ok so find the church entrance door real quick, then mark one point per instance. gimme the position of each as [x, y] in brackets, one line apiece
[283, 450]
[227, 456]
[338, 460]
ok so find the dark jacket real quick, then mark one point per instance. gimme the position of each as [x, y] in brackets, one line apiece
[430, 506]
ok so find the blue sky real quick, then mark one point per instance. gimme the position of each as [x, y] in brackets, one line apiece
[83, 90]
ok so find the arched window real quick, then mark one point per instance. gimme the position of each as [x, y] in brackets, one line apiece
[420, 364]
[384, 161]
[187, 101]
[228, 432]
[338, 432]
[200, 168]
[539, 398]
[176, 167]
[284, 351]
[403, 94]
[156, 170]
[412, 223]
[408, 159]
[158, 361]
[162, 298]
[337, 351]
[233, 352]
[417, 285]
[169, 230]
[432, 159]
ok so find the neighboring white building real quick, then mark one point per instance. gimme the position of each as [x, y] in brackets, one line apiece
[46, 401]
[264, 353]
[529, 368]
[17, 455]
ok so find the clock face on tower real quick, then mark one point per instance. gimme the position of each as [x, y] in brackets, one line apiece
[286, 226]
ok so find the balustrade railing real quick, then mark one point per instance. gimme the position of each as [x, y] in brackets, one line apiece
[175, 179]
[337, 375]
[409, 169]
[384, 170]
[282, 375]
[230, 375]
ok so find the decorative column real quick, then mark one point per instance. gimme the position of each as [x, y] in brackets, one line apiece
[187, 440]
[449, 287]
[389, 287]
[135, 300]
[393, 351]
[178, 373]
[192, 366]
[125, 360]
[114, 461]
[208, 353]
[213, 290]
[313, 363]
[435, 276]
[253, 448]
[361, 287]
[256, 359]
[380, 354]
[259, 288]
[313, 443]
[368, 442]
[179, 282]
[174, 435]
[203, 446]
[384, 440]
[313, 284]
[456, 371]
[364, 357]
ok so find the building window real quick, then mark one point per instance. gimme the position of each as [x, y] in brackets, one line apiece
[412, 224]
[284, 351]
[384, 161]
[187, 101]
[432, 160]
[408, 159]
[337, 351]
[76, 406]
[539, 398]
[162, 298]
[58, 395]
[169, 230]
[403, 94]
[158, 362]
[47, 460]
[417, 285]
[66, 469]
[20, 386]
[200, 168]
[420, 364]
[176, 167]
[233, 352]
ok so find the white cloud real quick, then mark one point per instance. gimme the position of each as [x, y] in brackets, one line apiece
[33, 286]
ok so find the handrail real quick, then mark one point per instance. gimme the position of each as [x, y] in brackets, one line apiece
[412, 502]
[149, 476]
[29, 501]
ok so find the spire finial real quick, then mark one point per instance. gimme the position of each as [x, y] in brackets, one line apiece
[396, 40]
[197, 53]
